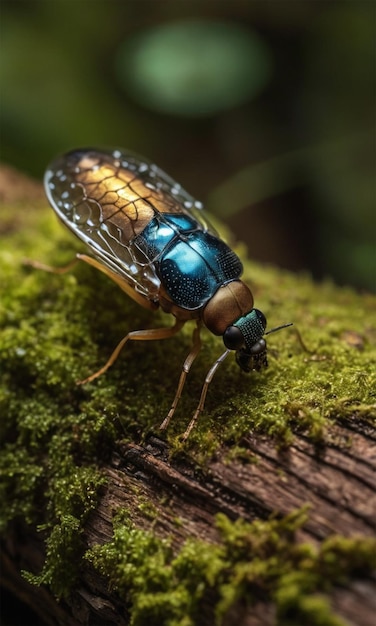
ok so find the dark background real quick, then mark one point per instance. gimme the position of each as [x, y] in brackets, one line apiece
[263, 110]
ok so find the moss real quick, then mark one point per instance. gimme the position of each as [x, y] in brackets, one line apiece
[64, 547]
[55, 330]
[55, 434]
[148, 509]
[251, 561]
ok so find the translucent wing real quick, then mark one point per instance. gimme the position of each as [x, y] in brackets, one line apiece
[107, 197]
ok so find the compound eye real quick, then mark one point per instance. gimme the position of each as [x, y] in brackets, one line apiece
[258, 347]
[233, 338]
[261, 317]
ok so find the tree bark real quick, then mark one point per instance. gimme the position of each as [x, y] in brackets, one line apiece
[337, 481]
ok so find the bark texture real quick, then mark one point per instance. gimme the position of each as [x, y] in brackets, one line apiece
[337, 481]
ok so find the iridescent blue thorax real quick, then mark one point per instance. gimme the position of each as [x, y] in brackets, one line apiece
[191, 263]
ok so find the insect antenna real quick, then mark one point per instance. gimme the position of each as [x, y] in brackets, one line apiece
[300, 339]
[274, 330]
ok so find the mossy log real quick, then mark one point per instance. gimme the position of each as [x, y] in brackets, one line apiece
[264, 516]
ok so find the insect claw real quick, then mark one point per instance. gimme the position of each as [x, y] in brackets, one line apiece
[84, 381]
[191, 425]
[166, 421]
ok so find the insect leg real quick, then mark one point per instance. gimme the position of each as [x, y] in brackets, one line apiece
[200, 406]
[196, 347]
[48, 268]
[136, 335]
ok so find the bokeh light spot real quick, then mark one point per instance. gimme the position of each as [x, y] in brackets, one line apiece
[193, 68]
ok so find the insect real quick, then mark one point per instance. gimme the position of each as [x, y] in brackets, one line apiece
[151, 237]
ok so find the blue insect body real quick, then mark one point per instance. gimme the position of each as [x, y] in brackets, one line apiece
[152, 238]
[191, 264]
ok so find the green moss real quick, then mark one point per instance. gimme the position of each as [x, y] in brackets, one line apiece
[148, 509]
[64, 548]
[19, 485]
[54, 331]
[55, 434]
[251, 561]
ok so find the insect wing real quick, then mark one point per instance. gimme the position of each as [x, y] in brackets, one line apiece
[107, 198]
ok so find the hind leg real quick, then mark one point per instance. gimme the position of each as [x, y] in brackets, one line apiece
[196, 347]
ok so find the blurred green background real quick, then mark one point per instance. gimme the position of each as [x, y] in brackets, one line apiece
[263, 110]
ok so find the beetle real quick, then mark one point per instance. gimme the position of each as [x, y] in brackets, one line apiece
[152, 239]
